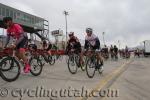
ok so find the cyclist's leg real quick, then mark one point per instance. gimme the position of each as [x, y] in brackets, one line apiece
[21, 48]
[17, 54]
[99, 58]
[21, 54]
[81, 58]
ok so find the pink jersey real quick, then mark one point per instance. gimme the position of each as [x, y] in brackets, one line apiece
[15, 31]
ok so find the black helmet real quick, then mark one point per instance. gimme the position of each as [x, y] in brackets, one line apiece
[6, 19]
[89, 30]
[71, 34]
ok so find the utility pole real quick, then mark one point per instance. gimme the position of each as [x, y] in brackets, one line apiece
[119, 44]
[66, 14]
[103, 37]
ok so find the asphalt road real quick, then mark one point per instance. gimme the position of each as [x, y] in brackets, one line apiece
[134, 83]
[127, 79]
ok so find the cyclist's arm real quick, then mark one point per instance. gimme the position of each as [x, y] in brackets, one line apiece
[7, 40]
[97, 43]
[86, 44]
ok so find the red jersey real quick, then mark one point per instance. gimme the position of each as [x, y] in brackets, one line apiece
[15, 31]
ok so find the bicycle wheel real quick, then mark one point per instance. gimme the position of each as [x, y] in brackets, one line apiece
[51, 60]
[72, 66]
[41, 59]
[5, 67]
[14, 69]
[36, 66]
[101, 68]
[90, 67]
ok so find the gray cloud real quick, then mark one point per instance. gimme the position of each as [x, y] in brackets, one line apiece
[124, 20]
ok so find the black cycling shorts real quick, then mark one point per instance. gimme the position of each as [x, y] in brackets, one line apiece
[22, 44]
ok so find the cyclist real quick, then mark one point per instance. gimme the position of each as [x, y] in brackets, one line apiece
[16, 31]
[46, 46]
[127, 53]
[105, 52]
[93, 41]
[74, 44]
[115, 51]
[111, 51]
[137, 52]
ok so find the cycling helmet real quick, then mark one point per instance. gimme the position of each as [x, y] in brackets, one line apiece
[89, 30]
[71, 34]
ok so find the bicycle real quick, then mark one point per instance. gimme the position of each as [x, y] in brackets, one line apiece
[58, 55]
[45, 57]
[114, 56]
[92, 63]
[11, 63]
[74, 62]
[105, 54]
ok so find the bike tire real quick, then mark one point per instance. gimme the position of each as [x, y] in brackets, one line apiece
[51, 60]
[5, 69]
[14, 62]
[34, 67]
[42, 59]
[72, 61]
[101, 70]
[88, 65]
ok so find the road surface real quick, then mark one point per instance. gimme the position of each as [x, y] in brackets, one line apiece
[121, 80]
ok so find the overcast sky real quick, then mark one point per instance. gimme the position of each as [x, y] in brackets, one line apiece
[124, 20]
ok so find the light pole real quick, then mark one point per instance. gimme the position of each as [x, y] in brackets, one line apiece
[103, 37]
[119, 44]
[144, 45]
[66, 14]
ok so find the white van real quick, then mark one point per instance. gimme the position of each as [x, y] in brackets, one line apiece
[147, 47]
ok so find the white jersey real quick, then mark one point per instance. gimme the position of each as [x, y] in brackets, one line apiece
[91, 39]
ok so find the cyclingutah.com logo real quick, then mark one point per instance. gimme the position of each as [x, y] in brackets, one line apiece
[52, 94]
